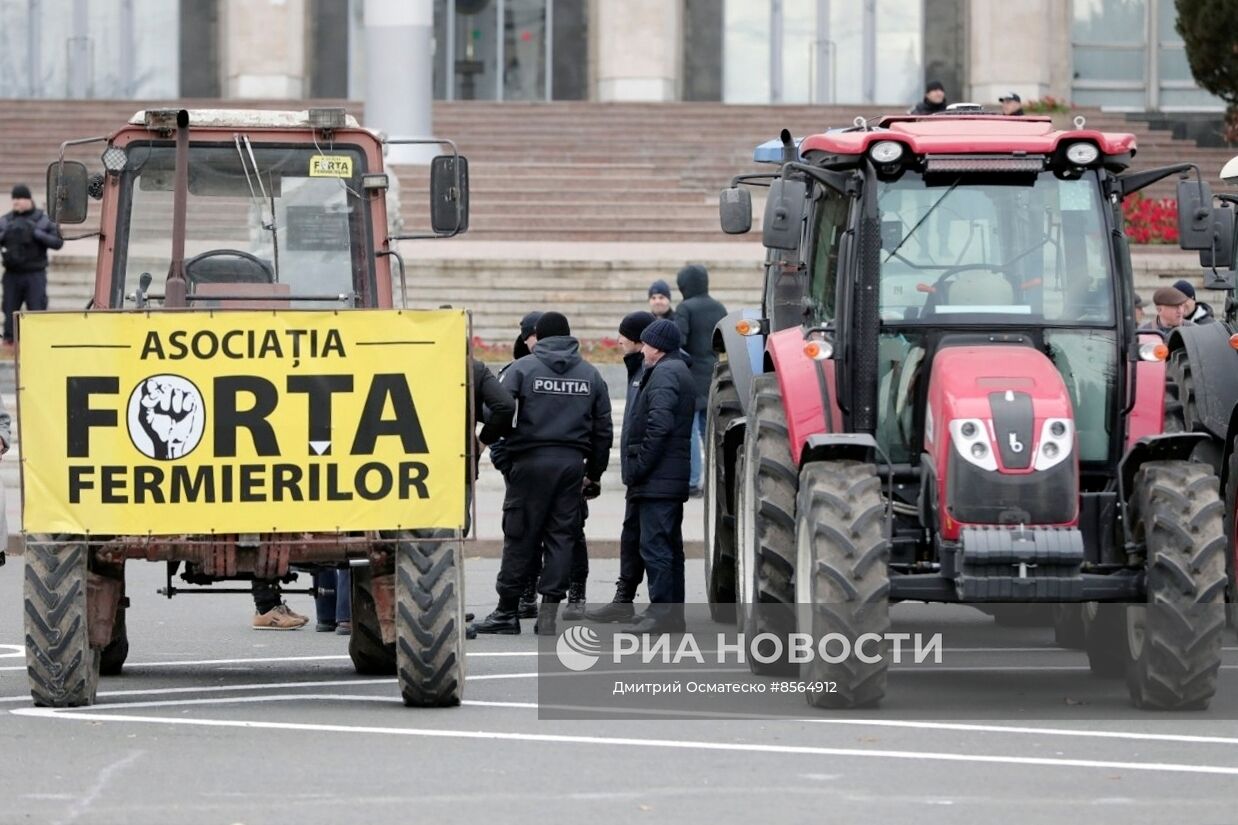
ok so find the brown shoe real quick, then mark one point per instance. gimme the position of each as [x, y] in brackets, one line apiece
[279, 617]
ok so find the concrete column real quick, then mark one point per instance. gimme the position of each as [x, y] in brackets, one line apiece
[262, 52]
[1019, 46]
[399, 73]
[640, 54]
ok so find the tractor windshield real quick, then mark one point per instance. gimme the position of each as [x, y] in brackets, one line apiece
[994, 249]
[266, 224]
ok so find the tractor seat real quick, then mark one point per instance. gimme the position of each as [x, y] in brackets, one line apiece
[979, 288]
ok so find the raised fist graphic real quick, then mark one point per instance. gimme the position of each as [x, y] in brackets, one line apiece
[169, 411]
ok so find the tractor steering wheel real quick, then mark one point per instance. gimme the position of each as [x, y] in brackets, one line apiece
[249, 269]
[934, 291]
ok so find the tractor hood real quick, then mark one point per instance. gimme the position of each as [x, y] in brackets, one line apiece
[1009, 394]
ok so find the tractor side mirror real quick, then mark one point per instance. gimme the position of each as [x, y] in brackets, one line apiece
[1194, 214]
[784, 214]
[735, 210]
[66, 191]
[1220, 254]
[449, 194]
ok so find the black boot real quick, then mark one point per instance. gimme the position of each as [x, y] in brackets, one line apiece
[546, 613]
[528, 601]
[501, 621]
[575, 610]
[619, 610]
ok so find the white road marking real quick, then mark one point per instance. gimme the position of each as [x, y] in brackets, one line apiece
[614, 741]
[261, 659]
[15, 651]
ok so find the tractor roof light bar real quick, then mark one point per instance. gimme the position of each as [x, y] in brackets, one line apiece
[979, 164]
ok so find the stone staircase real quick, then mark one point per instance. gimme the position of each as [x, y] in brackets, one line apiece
[564, 171]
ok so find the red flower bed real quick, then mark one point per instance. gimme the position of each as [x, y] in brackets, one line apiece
[598, 351]
[1151, 220]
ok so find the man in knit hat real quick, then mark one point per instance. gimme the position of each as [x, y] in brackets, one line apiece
[26, 234]
[559, 449]
[660, 300]
[655, 444]
[631, 568]
[1194, 311]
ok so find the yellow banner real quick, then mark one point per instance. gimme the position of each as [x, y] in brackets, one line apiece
[242, 422]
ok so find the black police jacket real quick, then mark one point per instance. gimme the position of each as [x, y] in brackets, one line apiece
[561, 401]
[697, 316]
[657, 432]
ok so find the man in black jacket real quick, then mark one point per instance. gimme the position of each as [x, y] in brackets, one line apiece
[631, 567]
[26, 234]
[697, 317]
[559, 449]
[654, 449]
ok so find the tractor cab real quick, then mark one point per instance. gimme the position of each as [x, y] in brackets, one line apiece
[966, 341]
[281, 210]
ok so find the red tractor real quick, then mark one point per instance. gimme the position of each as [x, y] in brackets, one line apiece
[945, 398]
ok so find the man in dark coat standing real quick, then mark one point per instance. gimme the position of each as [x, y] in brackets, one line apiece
[697, 316]
[26, 234]
[655, 445]
[559, 449]
[631, 567]
[934, 100]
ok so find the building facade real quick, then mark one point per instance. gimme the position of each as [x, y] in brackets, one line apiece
[1120, 54]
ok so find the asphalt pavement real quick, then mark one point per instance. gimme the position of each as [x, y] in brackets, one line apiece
[215, 723]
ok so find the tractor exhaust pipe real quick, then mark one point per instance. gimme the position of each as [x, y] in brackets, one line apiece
[177, 288]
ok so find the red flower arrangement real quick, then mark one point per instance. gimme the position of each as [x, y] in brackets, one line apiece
[1151, 220]
[598, 350]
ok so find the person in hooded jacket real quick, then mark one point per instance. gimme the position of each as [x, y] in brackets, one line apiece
[654, 449]
[631, 567]
[26, 234]
[697, 316]
[934, 100]
[559, 449]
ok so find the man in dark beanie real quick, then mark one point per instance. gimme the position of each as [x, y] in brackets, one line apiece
[934, 100]
[631, 568]
[698, 315]
[559, 449]
[660, 300]
[26, 234]
[657, 432]
[1193, 311]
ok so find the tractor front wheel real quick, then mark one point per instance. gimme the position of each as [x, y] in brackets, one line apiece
[370, 656]
[842, 580]
[61, 666]
[429, 588]
[1175, 638]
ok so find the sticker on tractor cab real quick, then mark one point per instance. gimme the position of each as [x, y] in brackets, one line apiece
[330, 166]
[242, 422]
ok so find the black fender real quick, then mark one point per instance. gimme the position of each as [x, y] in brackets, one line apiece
[744, 353]
[1214, 368]
[1177, 446]
[840, 446]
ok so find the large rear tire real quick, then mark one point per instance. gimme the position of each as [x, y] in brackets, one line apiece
[843, 579]
[1175, 639]
[430, 620]
[370, 657]
[1231, 536]
[766, 571]
[724, 408]
[61, 666]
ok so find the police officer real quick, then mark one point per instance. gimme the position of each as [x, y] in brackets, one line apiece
[559, 449]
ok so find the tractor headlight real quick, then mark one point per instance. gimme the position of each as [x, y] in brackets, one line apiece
[1082, 153]
[114, 159]
[886, 151]
[971, 440]
[1057, 440]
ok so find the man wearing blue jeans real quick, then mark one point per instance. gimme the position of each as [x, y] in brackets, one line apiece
[696, 317]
